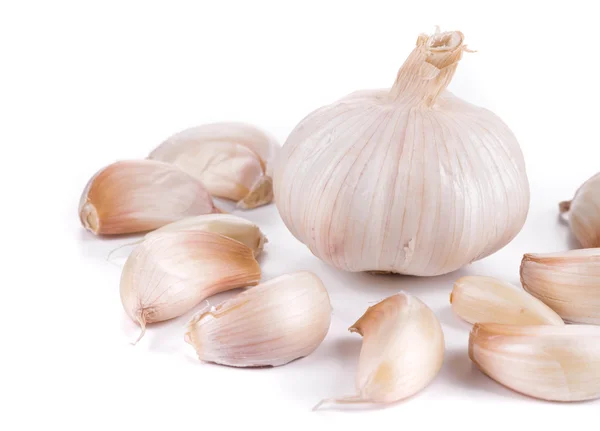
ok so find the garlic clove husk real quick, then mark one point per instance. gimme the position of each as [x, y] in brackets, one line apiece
[402, 350]
[412, 181]
[169, 274]
[140, 195]
[583, 214]
[487, 299]
[228, 225]
[568, 282]
[271, 324]
[233, 160]
[555, 363]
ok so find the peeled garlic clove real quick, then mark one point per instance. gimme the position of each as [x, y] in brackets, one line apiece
[233, 160]
[169, 274]
[584, 217]
[568, 282]
[140, 195]
[555, 363]
[402, 350]
[413, 180]
[268, 325]
[486, 299]
[228, 225]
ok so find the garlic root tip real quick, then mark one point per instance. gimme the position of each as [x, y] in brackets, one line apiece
[142, 321]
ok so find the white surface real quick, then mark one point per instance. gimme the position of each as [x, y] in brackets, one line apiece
[85, 83]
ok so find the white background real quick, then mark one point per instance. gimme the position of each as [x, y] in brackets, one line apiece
[83, 84]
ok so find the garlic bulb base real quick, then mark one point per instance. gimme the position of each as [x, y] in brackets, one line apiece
[260, 194]
[89, 218]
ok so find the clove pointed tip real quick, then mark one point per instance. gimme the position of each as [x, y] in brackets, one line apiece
[142, 321]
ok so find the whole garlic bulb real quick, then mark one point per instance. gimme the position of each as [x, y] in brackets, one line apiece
[410, 180]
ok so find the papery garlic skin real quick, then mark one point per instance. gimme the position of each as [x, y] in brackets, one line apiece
[555, 363]
[413, 180]
[170, 273]
[140, 195]
[568, 282]
[487, 299]
[228, 225]
[402, 350]
[271, 324]
[233, 160]
[584, 213]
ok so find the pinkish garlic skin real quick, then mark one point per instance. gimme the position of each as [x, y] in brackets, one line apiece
[170, 273]
[271, 324]
[141, 195]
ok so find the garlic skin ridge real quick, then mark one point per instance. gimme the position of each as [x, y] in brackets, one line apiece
[583, 212]
[169, 274]
[271, 324]
[134, 196]
[568, 282]
[487, 299]
[402, 350]
[233, 160]
[554, 363]
[411, 180]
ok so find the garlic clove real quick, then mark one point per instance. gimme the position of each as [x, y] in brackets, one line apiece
[486, 299]
[568, 282]
[233, 160]
[402, 350]
[268, 325]
[140, 195]
[555, 363]
[228, 225]
[169, 274]
[583, 214]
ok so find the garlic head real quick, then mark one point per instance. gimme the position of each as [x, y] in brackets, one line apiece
[410, 180]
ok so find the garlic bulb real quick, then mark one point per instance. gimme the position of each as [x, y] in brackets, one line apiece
[233, 160]
[568, 282]
[584, 212]
[140, 195]
[402, 350]
[555, 363]
[411, 180]
[268, 325]
[486, 299]
[169, 274]
[228, 225]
